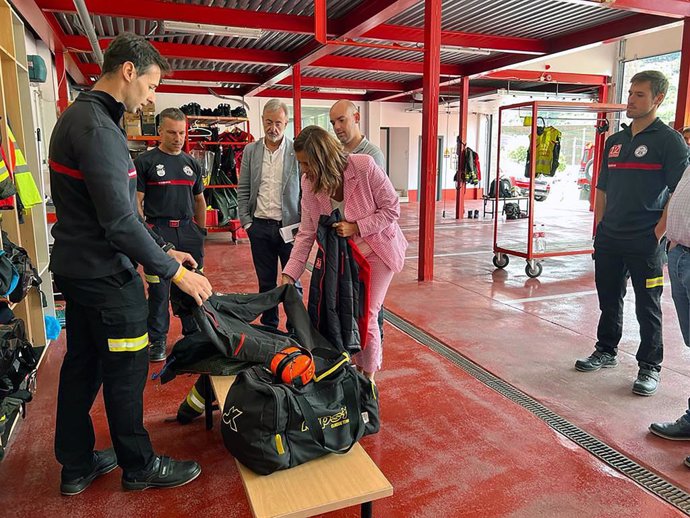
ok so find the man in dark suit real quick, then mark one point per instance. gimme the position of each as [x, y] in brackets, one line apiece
[268, 198]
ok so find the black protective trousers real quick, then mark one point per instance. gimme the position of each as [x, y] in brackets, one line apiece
[186, 238]
[106, 346]
[642, 262]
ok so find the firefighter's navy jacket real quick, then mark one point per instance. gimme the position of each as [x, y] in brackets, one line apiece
[93, 184]
[638, 173]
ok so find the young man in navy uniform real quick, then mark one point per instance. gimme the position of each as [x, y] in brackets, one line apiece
[170, 196]
[641, 167]
[99, 240]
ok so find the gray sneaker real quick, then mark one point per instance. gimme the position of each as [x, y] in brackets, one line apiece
[597, 360]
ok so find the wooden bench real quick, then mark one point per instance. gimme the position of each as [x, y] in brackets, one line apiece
[492, 200]
[326, 484]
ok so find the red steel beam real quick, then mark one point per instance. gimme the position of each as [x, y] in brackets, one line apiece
[607, 32]
[320, 23]
[297, 98]
[547, 77]
[287, 94]
[461, 187]
[201, 52]
[182, 12]
[459, 39]
[335, 82]
[382, 65]
[92, 69]
[61, 73]
[196, 90]
[366, 16]
[40, 23]
[671, 8]
[427, 207]
[683, 102]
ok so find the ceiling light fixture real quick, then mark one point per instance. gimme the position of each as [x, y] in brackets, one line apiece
[184, 82]
[213, 30]
[341, 91]
[465, 50]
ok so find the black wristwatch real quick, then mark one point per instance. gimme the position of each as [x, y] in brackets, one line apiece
[167, 247]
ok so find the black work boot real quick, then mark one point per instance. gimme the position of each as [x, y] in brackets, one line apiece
[164, 472]
[678, 431]
[646, 383]
[157, 351]
[597, 360]
[104, 461]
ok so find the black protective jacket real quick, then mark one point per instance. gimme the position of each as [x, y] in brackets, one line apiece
[339, 290]
[93, 183]
[226, 334]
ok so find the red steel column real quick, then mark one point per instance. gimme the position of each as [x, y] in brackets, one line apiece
[61, 73]
[297, 98]
[320, 21]
[599, 141]
[432, 70]
[461, 187]
[683, 104]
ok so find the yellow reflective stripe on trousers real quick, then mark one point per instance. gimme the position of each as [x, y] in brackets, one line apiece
[655, 282]
[152, 279]
[195, 400]
[128, 345]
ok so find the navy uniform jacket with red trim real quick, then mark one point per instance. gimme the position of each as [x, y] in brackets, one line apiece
[93, 184]
[638, 174]
[169, 184]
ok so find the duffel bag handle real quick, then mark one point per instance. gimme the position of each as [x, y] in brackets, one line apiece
[351, 393]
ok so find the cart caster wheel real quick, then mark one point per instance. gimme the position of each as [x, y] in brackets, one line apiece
[501, 261]
[533, 272]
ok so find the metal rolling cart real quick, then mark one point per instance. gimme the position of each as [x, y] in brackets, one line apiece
[537, 109]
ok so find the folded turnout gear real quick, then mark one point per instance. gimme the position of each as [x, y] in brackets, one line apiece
[269, 425]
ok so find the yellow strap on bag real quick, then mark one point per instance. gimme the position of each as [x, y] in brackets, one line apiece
[23, 179]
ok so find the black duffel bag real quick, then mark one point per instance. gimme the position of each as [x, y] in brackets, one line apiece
[269, 426]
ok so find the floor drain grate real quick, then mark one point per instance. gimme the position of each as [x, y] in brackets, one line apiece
[650, 481]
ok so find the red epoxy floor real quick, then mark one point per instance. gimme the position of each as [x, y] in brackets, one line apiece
[450, 446]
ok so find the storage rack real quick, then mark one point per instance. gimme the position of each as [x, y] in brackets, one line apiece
[32, 234]
[535, 109]
[234, 227]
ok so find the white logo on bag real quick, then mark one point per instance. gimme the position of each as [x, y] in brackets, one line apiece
[230, 416]
[188, 170]
[160, 169]
[641, 151]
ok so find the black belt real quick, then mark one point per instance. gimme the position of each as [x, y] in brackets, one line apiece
[683, 247]
[166, 222]
[269, 221]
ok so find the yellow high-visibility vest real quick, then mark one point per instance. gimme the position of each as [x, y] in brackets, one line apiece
[23, 179]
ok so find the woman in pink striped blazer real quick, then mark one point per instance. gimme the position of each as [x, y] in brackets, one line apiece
[365, 196]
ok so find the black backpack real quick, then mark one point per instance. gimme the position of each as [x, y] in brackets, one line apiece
[504, 188]
[511, 210]
[28, 274]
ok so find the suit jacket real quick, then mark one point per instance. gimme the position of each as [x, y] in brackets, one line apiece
[250, 179]
[370, 201]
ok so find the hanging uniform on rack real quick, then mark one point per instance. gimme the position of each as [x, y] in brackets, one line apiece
[548, 151]
[7, 189]
[23, 179]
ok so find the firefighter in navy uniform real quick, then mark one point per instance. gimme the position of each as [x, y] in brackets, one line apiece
[641, 166]
[99, 239]
[170, 196]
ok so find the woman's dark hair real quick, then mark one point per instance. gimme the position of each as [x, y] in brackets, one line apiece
[133, 48]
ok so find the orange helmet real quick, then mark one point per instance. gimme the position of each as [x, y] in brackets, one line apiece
[293, 365]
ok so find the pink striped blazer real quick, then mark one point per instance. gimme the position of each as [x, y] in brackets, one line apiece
[370, 201]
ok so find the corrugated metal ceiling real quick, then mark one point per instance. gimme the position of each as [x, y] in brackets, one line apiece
[360, 74]
[520, 18]
[449, 58]
[334, 8]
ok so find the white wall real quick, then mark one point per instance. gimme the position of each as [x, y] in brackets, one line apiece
[654, 43]
[43, 99]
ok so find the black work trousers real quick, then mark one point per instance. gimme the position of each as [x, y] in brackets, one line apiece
[642, 262]
[187, 238]
[106, 345]
[268, 247]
